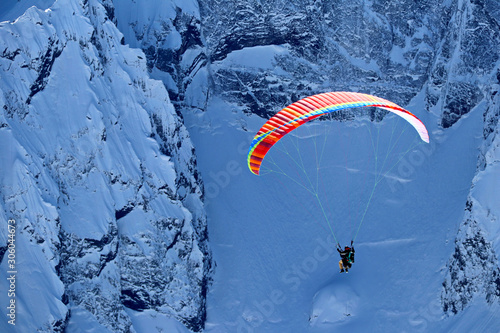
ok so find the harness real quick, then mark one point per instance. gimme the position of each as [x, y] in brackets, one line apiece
[350, 255]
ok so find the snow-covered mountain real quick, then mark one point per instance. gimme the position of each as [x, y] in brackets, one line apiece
[114, 199]
[100, 175]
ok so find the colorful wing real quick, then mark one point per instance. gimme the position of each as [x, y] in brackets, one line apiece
[312, 107]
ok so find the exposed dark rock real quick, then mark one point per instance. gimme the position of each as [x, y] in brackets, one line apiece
[472, 270]
[124, 211]
[460, 99]
[46, 62]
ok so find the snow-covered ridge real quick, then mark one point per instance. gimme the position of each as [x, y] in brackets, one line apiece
[100, 175]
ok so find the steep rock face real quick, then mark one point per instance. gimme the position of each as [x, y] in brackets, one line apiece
[473, 270]
[467, 56]
[370, 46]
[391, 49]
[100, 176]
[170, 34]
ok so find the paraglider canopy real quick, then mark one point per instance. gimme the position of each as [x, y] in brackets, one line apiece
[312, 107]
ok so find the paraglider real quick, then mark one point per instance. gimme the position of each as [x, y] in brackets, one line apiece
[297, 114]
[346, 257]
